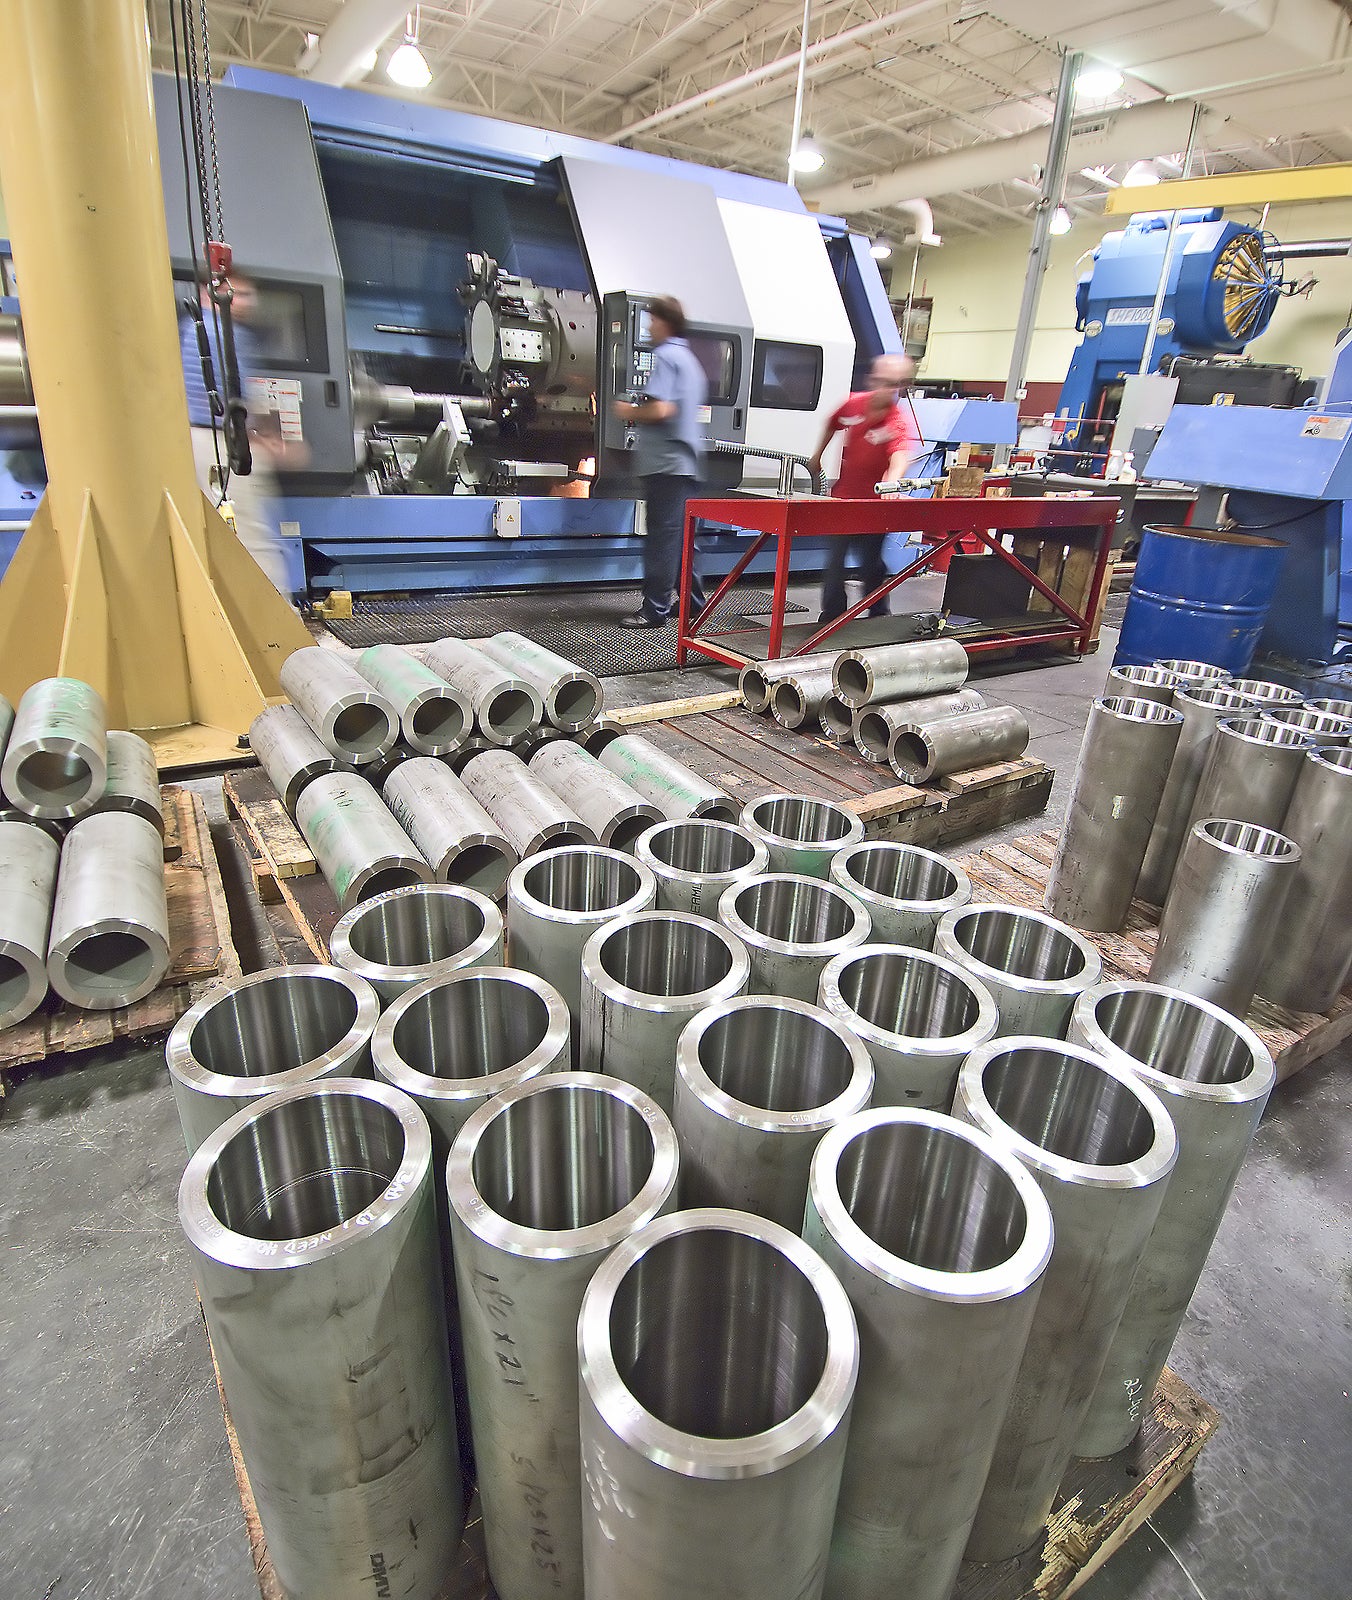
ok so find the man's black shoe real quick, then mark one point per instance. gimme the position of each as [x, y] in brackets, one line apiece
[642, 619]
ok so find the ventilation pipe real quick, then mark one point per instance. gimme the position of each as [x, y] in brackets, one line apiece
[360, 27]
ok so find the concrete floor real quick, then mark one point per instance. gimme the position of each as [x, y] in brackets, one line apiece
[115, 1480]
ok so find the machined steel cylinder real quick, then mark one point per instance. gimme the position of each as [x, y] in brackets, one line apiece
[571, 697]
[672, 787]
[644, 976]
[56, 758]
[537, 738]
[907, 891]
[361, 850]
[133, 780]
[28, 865]
[351, 718]
[1250, 773]
[792, 926]
[941, 1238]
[713, 1490]
[505, 706]
[1223, 910]
[531, 816]
[1320, 727]
[758, 678]
[435, 717]
[1263, 692]
[1141, 683]
[1337, 707]
[836, 720]
[759, 1079]
[1195, 672]
[1214, 1076]
[801, 834]
[544, 1182]
[899, 671]
[1125, 757]
[797, 698]
[451, 829]
[918, 1014]
[597, 735]
[475, 745]
[616, 813]
[875, 726]
[1033, 965]
[921, 752]
[279, 1029]
[313, 1235]
[406, 936]
[289, 751]
[1101, 1147]
[696, 859]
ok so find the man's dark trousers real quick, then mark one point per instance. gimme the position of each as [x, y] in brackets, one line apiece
[665, 496]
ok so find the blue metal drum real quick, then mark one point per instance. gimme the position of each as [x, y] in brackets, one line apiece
[1199, 595]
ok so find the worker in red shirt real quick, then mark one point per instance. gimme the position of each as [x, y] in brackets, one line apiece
[881, 441]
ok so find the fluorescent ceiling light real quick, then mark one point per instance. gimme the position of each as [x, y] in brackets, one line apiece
[1097, 82]
[408, 65]
[807, 155]
[1061, 222]
[1140, 176]
[880, 249]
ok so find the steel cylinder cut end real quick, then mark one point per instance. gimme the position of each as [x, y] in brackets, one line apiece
[578, 882]
[873, 735]
[1247, 839]
[509, 714]
[800, 833]
[902, 878]
[656, 956]
[755, 688]
[1319, 727]
[574, 702]
[836, 720]
[1266, 693]
[1146, 683]
[1025, 946]
[788, 911]
[1194, 671]
[405, 936]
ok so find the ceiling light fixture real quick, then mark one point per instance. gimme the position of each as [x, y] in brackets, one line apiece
[408, 65]
[807, 155]
[880, 250]
[1061, 222]
[1140, 176]
[1097, 82]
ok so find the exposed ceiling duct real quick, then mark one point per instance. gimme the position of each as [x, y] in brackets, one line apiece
[346, 44]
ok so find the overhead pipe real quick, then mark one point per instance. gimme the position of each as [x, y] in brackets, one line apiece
[696, 859]
[672, 787]
[907, 891]
[875, 726]
[28, 865]
[529, 813]
[353, 720]
[457, 836]
[900, 671]
[616, 813]
[572, 698]
[56, 757]
[1033, 965]
[792, 926]
[434, 717]
[133, 779]
[800, 833]
[361, 850]
[289, 751]
[358, 29]
[406, 936]
[921, 752]
[505, 706]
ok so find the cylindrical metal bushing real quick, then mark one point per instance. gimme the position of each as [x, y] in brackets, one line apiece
[406, 936]
[572, 698]
[759, 1079]
[713, 1490]
[28, 864]
[314, 1242]
[758, 678]
[56, 759]
[836, 720]
[919, 1015]
[1214, 1076]
[459, 759]
[644, 976]
[529, 813]
[615, 813]
[1337, 707]
[875, 726]
[792, 926]
[1125, 757]
[1321, 727]
[919, 753]
[450, 828]
[1223, 911]
[941, 1238]
[1101, 1147]
[695, 860]
[1033, 965]
[1195, 672]
[505, 706]
[599, 734]
[537, 738]
[1141, 683]
[672, 787]
[555, 903]
[797, 698]
[1265, 693]
[801, 834]
[109, 940]
[361, 850]
[353, 720]
[906, 890]
[289, 751]
[1250, 773]
[280, 1029]
[899, 671]
[435, 718]
[133, 780]
[544, 1182]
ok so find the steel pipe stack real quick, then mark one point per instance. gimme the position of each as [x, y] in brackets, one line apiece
[919, 1015]
[529, 813]
[1033, 965]
[1252, 765]
[801, 834]
[1124, 763]
[792, 926]
[434, 717]
[250, 1037]
[28, 866]
[695, 860]
[875, 726]
[941, 1238]
[321, 1197]
[759, 1080]
[289, 751]
[1223, 910]
[644, 975]
[906, 891]
[1262, 692]
[1320, 727]
[672, 787]
[1214, 1076]
[133, 779]
[1141, 683]
[572, 698]
[56, 758]
[361, 850]
[544, 1182]
[505, 706]
[613, 811]
[450, 828]
[900, 671]
[836, 720]
[353, 720]
[920, 753]
[1101, 1147]
[797, 698]
[406, 936]
[758, 678]
[696, 1490]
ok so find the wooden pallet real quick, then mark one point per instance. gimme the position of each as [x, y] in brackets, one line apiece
[1016, 872]
[300, 908]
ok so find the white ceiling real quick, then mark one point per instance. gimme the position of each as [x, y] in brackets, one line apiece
[938, 76]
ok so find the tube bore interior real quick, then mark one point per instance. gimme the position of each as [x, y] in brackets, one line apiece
[581, 881]
[274, 1025]
[788, 701]
[837, 716]
[1219, 699]
[802, 820]
[49, 777]
[1139, 710]
[386, 879]
[911, 753]
[109, 963]
[708, 848]
[662, 956]
[774, 1059]
[1155, 677]
[13, 983]
[1340, 758]
[510, 712]
[481, 866]
[915, 999]
[478, 1025]
[1069, 1107]
[1172, 1035]
[1022, 946]
[853, 679]
[361, 728]
[755, 690]
[718, 1334]
[1269, 694]
[1261, 730]
[438, 720]
[874, 734]
[900, 874]
[1302, 720]
[576, 702]
[416, 929]
[1248, 838]
[798, 913]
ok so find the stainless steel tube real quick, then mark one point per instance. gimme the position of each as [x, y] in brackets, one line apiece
[1337, 707]
[459, 759]
[529, 813]
[133, 780]
[643, 977]
[1200, 673]
[505, 705]
[109, 941]
[1311, 952]
[875, 725]
[406, 936]
[907, 891]
[735, 1481]
[353, 720]
[941, 1238]
[6, 723]
[672, 787]
[537, 738]
[1250, 771]
[896, 671]
[361, 850]
[571, 697]
[1265, 693]
[695, 860]
[56, 760]
[801, 834]
[602, 732]
[759, 1079]
[1125, 757]
[1101, 1147]
[280, 1029]
[544, 1182]
[28, 863]
[1321, 727]
[613, 811]
[919, 1015]
[792, 926]
[321, 1198]
[758, 678]
[836, 720]
[921, 752]
[435, 718]
[1141, 683]
[289, 751]
[1214, 1076]
[797, 698]
[1033, 965]
[449, 826]
[1223, 910]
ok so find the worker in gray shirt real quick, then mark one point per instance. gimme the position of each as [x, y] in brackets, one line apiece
[668, 459]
